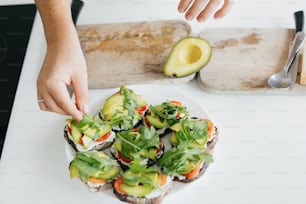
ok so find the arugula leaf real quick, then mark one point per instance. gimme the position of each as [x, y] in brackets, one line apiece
[191, 130]
[137, 167]
[125, 118]
[138, 174]
[175, 160]
[133, 142]
[91, 163]
[168, 111]
[93, 122]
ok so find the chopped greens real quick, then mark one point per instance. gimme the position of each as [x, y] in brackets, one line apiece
[125, 116]
[191, 130]
[92, 163]
[168, 111]
[138, 174]
[174, 161]
[134, 141]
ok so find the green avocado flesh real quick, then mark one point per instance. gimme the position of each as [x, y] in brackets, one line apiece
[188, 56]
[156, 122]
[140, 190]
[93, 164]
[88, 133]
[116, 104]
[112, 104]
[135, 188]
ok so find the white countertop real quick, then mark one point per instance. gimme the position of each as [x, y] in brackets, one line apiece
[261, 154]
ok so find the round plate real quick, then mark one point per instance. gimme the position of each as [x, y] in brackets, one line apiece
[154, 95]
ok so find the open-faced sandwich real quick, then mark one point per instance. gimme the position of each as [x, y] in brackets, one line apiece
[141, 142]
[140, 184]
[124, 109]
[91, 133]
[95, 169]
[164, 115]
[185, 162]
[200, 132]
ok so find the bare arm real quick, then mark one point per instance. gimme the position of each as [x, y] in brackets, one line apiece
[64, 63]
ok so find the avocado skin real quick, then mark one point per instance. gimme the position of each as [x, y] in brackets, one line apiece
[187, 56]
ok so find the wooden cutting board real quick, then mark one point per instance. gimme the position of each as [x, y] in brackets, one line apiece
[130, 53]
[244, 58]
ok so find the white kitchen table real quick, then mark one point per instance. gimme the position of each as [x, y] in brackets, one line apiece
[259, 159]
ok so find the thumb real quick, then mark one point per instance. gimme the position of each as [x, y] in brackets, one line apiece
[80, 89]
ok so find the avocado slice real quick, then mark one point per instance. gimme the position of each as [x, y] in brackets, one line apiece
[133, 187]
[175, 127]
[173, 140]
[139, 190]
[188, 55]
[75, 133]
[155, 121]
[112, 104]
[90, 132]
[109, 174]
[74, 171]
[152, 153]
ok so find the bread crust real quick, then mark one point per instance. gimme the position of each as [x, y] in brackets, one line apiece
[144, 200]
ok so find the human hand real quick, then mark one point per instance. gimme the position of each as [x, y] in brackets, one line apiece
[64, 65]
[203, 9]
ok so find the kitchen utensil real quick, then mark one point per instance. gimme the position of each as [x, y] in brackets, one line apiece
[244, 58]
[299, 26]
[76, 7]
[282, 79]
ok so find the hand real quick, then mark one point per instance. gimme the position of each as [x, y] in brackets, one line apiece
[64, 65]
[203, 9]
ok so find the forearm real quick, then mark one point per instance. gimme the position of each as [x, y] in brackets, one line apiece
[56, 18]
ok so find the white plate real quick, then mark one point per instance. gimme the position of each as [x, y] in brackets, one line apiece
[154, 95]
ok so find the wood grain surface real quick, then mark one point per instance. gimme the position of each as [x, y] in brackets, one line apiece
[244, 58]
[130, 53]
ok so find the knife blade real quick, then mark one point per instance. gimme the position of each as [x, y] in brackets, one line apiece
[299, 27]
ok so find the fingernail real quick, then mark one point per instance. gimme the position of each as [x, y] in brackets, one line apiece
[85, 108]
[188, 17]
[201, 20]
[181, 9]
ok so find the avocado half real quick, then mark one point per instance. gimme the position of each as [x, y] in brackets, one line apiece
[188, 55]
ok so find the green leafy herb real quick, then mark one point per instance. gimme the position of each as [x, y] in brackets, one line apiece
[175, 160]
[168, 111]
[130, 103]
[138, 174]
[91, 163]
[93, 122]
[133, 141]
[191, 130]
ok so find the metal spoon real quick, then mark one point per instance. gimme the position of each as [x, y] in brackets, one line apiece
[282, 79]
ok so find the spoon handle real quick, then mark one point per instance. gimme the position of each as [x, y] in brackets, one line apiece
[296, 47]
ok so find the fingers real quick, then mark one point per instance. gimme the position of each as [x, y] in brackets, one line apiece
[80, 90]
[224, 9]
[203, 9]
[48, 103]
[183, 5]
[57, 100]
[195, 9]
[209, 10]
